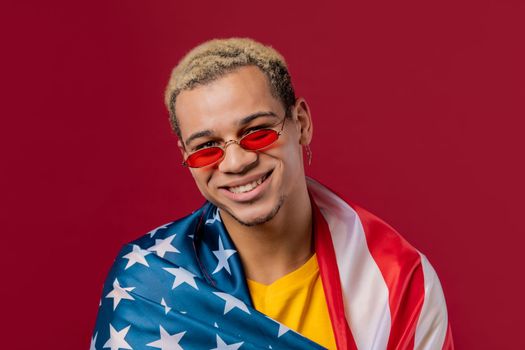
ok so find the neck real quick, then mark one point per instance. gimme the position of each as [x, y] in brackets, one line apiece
[277, 247]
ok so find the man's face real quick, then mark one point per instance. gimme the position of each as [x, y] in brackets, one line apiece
[250, 186]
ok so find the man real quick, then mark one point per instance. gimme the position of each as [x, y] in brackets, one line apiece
[273, 260]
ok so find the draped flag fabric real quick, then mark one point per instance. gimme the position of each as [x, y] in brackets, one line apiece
[182, 286]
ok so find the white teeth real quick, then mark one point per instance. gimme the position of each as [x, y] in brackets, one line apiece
[248, 187]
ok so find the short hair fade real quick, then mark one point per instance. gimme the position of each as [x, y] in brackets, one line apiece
[215, 58]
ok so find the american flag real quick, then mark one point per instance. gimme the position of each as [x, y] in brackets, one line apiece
[182, 286]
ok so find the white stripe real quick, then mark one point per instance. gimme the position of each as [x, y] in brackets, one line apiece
[365, 292]
[433, 320]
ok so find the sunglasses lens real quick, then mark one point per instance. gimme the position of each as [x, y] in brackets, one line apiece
[204, 157]
[259, 139]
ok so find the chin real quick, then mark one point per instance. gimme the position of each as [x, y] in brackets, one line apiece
[253, 216]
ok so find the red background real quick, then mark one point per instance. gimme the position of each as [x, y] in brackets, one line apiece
[419, 117]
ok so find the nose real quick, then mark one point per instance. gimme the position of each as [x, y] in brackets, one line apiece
[237, 160]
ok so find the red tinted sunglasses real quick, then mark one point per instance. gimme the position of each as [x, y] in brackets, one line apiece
[253, 141]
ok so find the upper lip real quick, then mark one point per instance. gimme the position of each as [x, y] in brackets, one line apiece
[246, 180]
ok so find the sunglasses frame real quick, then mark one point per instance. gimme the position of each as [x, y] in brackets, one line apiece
[229, 142]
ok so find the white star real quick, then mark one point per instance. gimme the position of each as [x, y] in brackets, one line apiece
[167, 341]
[93, 341]
[231, 302]
[136, 256]
[118, 293]
[282, 328]
[182, 276]
[166, 307]
[153, 232]
[221, 345]
[116, 339]
[216, 217]
[223, 255]
[162, 246]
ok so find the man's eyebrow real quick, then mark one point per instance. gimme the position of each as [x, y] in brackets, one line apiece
[242, 122]
[197, 135]
[256, 115]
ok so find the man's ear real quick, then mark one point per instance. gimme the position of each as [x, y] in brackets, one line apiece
[301, 111]
[181, 148]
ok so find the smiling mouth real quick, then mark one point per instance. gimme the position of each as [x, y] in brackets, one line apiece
[249, 186]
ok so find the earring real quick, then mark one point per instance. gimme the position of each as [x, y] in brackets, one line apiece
[308, 154]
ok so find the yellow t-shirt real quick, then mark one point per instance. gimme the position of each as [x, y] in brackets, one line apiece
[297, 300]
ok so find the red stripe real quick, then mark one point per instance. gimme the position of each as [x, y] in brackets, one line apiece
[331, 284]
[449, 343]
[400, 265]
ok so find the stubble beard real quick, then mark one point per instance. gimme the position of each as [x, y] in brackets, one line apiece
[262, 219]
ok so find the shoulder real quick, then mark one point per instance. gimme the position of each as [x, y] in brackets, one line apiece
[169, 244]
[390, 249]
[178, 231]
[375, 260]
[143, 278]
[357, 228]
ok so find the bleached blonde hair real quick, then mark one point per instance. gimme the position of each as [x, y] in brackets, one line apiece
[215, 58]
